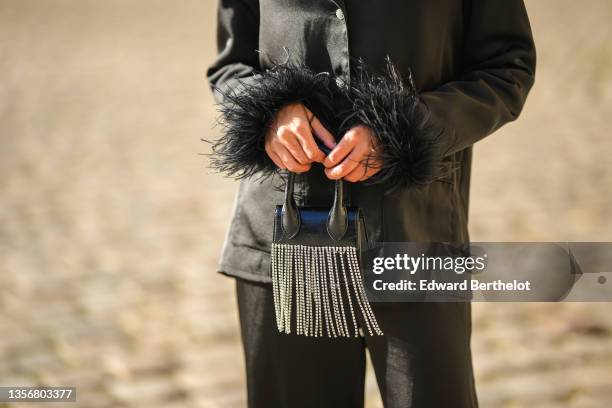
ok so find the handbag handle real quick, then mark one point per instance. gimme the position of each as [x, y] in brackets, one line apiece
[337, 220]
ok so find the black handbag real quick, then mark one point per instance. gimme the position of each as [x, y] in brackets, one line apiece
[315, 263]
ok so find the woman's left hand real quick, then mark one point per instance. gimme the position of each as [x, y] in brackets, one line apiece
[354, 158]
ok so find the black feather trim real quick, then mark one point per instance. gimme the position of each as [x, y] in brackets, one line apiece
[410, 145]
[248, 111]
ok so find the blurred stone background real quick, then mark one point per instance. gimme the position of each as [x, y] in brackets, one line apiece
[110, 224]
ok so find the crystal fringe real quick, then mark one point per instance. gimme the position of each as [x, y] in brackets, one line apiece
[323, 289]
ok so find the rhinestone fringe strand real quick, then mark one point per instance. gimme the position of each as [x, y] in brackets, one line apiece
[323, 289]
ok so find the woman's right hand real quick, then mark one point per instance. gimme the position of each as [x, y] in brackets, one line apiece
[290, 141]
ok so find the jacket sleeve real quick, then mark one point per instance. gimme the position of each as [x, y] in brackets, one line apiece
[499, 61]
[237, 43]
[249, 97]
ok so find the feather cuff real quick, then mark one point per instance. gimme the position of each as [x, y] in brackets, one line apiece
[410, 149]
[248, 111]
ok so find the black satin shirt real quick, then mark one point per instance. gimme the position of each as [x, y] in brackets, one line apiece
[473, 63]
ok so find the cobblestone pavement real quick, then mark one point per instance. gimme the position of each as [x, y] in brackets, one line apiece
[110, 225]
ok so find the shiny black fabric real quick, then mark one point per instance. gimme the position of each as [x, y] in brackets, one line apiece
[422, 361]
[473, 63]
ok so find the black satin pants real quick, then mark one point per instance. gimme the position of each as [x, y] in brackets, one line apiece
[422, 361]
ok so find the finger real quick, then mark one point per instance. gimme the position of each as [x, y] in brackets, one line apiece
[277, 160]
[372, 167]
[288, 138]
[273, 156]
[309, 146]
[289, 161]
[321, 133]
[369, 173]
[348, 165]
[340, 152]
[357, 174]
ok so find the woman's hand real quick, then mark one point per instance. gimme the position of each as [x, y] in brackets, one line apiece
[354, 158]
[290, 142]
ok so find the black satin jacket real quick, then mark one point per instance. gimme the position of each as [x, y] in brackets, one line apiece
[473, 62]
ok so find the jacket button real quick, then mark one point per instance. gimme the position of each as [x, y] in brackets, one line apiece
[340, 14]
